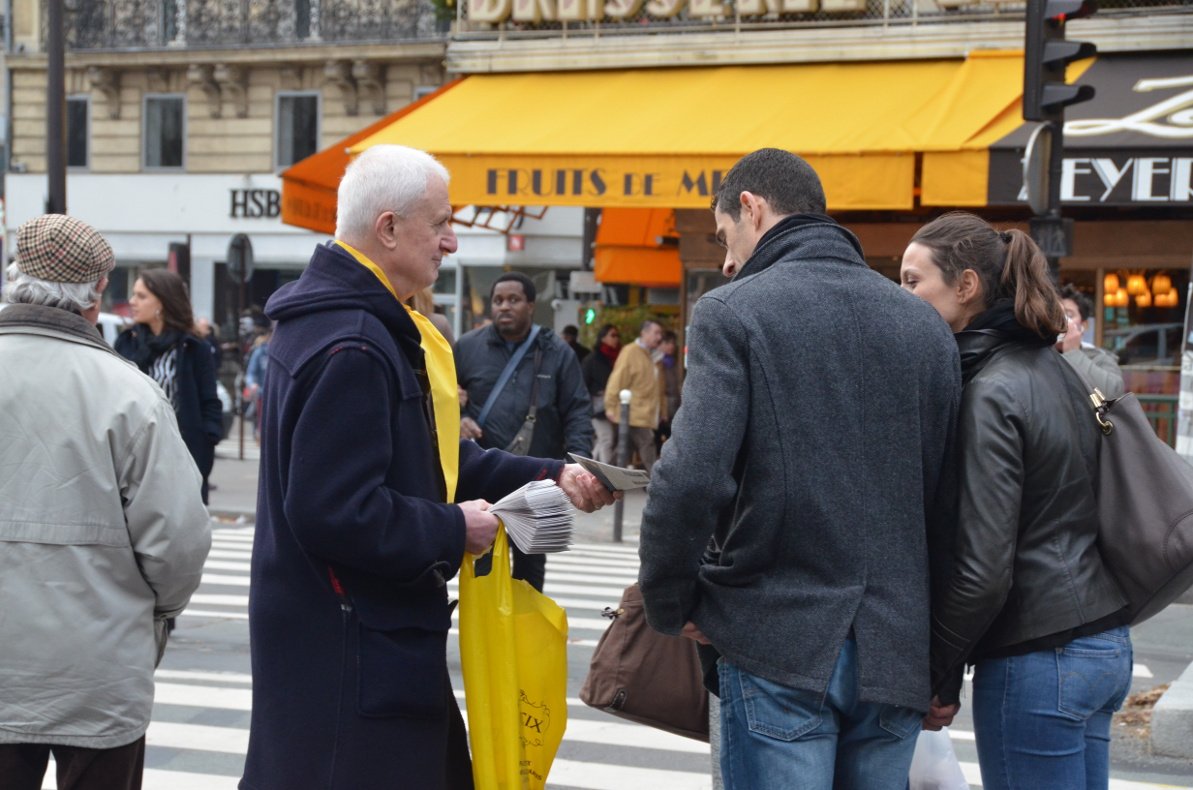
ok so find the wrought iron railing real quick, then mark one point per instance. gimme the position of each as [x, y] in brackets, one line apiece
[161, 24]
[512, 19]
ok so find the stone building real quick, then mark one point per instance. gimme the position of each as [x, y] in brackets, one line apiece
[182, 113]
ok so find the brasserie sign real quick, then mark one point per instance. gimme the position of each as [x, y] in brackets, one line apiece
[531, 11]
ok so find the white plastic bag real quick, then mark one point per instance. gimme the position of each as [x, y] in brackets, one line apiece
[935, 766]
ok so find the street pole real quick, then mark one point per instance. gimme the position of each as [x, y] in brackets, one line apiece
[240, 359]
[56, 108]
[623, 457]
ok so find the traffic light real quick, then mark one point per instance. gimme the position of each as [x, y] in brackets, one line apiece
[589, 316]
[1047, 53]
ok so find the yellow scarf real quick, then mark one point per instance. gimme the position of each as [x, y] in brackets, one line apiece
[441, 372]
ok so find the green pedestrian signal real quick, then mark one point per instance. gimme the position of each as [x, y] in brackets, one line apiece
[589, 316]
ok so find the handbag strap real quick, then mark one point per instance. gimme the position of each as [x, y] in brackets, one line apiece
[506, 375]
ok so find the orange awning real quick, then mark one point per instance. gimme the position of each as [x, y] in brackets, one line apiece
[309, 187]
[635, 245]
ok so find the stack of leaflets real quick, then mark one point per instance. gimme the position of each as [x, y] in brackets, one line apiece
[537, 517]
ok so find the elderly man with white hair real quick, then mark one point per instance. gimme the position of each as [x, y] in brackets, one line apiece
[368, 501]
[102, 532]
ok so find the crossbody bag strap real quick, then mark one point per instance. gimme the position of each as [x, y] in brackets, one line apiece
[534, 388]
[506, 375]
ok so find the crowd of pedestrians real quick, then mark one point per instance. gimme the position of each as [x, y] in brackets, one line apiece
[867, 487]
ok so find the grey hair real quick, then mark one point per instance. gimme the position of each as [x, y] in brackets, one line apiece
[382, 178]
[72, 297]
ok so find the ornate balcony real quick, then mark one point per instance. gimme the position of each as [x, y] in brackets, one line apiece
[218, 24]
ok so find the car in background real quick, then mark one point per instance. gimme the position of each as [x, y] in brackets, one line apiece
[111, 325]
[1145, 345]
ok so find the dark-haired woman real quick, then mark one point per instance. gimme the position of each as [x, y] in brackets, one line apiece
[1027, 599]
[597, 367]
[162, 344]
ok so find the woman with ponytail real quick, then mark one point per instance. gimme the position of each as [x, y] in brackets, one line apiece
[1019, 589]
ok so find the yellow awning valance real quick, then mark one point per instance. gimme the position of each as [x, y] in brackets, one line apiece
[658, 138]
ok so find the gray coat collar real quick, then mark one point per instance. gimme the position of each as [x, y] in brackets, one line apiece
[806, 237]
[35, 319]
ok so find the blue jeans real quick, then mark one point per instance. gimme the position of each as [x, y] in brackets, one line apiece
[1043, 719]
[773, 736]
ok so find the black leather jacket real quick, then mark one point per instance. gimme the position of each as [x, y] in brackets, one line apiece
[1025, 561]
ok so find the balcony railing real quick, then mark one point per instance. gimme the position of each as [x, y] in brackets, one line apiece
[161, 24]
[481, 19]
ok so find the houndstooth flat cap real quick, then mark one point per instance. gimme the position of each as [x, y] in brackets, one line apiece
[63, 249]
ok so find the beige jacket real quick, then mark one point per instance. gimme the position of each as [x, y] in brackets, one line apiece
[635, 371]
[102, 533]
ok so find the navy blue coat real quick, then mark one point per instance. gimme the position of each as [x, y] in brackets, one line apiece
[348, 608]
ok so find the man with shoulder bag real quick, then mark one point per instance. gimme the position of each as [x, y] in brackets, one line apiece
[526, 393]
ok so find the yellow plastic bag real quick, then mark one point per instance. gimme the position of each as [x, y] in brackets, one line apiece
[513, 647]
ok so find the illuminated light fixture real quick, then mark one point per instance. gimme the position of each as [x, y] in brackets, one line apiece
[1170, 299]
[1136, 284]
[1161, 283]
[1145, 299]
[1110, 283]
[1119, 298]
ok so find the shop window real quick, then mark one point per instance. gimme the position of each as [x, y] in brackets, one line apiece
[297, 127]
[1143, 324]
[78, 118]
[165, 131]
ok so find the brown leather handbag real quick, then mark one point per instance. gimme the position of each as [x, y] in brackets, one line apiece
[644, 676]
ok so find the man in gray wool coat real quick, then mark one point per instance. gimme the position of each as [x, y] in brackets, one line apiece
[788, 519]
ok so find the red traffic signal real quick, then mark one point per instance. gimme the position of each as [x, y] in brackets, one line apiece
[1047, 54]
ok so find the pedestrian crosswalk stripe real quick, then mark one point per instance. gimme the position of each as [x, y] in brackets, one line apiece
[202, 696]
[220, 600]
[225, 565]
[587, 565]
[202, 737]
[204, 676]
[606, 549]
[599, 776]
[217, 614]
[160, 779]
[244, 535]
[230, 581]
[229, 554]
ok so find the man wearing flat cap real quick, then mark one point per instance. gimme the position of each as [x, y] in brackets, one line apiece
[102, 532]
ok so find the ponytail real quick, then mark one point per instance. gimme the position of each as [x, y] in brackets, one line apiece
[1025, 275]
